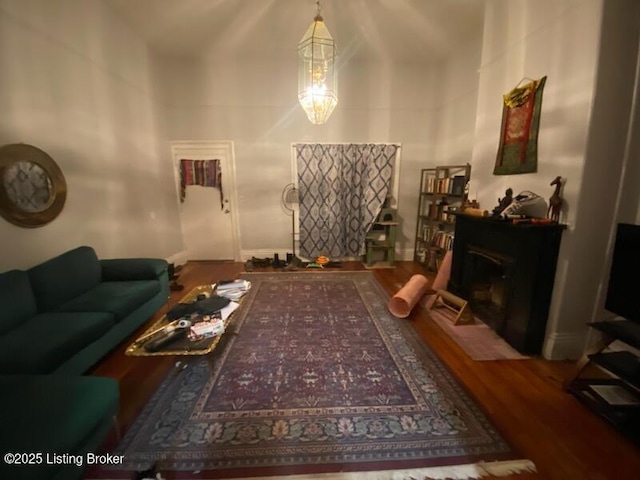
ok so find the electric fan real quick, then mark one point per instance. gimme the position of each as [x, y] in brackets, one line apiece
[290, 198]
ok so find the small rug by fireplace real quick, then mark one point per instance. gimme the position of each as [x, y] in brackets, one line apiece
[316, 378]
[478, 340]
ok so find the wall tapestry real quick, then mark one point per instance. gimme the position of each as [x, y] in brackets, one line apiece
[206, 173]
[518, 149]
[342, 189]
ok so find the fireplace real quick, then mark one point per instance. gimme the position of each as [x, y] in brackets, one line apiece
[489, 286]
[506, 272]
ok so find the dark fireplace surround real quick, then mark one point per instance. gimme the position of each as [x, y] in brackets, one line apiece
[506, 271]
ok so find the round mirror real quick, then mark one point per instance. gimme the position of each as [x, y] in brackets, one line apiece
[32, 187]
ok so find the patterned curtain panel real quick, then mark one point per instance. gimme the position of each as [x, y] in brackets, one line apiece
[206, 173]
[342, 189]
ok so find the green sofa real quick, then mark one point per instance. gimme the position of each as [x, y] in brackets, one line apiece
[52, 424]
[58, 320]
[67, 313]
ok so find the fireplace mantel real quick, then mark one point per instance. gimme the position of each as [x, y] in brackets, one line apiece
[528, 254]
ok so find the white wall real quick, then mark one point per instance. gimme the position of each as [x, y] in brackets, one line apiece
[75, 82]
[587, 88]
[609, 193]
[459, 100]
[254, 104]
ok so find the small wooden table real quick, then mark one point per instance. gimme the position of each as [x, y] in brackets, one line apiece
[182, 346]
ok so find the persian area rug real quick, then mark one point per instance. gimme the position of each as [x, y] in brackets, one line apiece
[478, 340]
[316, 379]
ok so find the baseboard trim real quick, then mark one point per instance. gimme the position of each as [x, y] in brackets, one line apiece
[405, 255]
[564, 346]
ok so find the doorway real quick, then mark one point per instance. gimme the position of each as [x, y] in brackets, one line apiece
[209, 216]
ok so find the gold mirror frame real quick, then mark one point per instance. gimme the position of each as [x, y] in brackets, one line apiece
[16, 161]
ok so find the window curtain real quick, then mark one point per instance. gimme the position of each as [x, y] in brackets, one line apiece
[206, 173]
[342, 189]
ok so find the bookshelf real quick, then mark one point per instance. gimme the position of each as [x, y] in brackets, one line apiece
[442, 192]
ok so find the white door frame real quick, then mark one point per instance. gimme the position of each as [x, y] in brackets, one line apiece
[184, 148]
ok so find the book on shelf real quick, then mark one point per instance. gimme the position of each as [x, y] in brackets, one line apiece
[443, 240]
[448, 185]
[433, 211]
[428, 232]
[458, 183]
[432, 261]
[430, 186]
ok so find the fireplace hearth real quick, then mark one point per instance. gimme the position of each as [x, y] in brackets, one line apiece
[506, 273]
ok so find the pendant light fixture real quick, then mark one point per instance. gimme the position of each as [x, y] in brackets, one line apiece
[317, 74]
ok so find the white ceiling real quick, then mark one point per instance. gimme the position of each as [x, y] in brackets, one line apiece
[392, 30]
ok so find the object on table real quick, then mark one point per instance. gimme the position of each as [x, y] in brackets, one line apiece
[234, 290]
[503, 202]
[555, 201]
[206, 306]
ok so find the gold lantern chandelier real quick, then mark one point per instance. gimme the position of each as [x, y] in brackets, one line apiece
[317, 73]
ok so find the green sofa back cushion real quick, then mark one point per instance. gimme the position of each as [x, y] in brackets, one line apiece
[16, 298]
[125, 269]
[118, 298]
[64, 277]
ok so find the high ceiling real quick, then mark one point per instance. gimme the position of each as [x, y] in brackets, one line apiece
[394, 30]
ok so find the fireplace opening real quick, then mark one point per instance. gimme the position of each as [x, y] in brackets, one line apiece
[488, 285]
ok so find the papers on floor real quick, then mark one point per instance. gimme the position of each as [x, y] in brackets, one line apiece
[225, 312]
[206, 329]
[233, 290]
[212, 325]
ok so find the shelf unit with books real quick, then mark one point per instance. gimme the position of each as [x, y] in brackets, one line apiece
[443, 191]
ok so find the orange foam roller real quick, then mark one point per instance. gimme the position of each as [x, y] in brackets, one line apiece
[401, 304]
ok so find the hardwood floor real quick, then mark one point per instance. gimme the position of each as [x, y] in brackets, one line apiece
[524, 398]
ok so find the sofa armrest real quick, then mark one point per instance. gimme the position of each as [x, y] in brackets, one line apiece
[122, 269]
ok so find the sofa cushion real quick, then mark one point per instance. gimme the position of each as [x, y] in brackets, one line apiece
[52, 414]
[118, 298]
[118, 269]
[64, 277]
[42, 343]
[16, 298]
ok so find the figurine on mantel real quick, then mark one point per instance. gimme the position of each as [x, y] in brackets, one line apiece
[555, 201]
[503, 203]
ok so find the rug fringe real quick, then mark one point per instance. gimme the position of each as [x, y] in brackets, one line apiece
[470, 471]
[449, 472]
